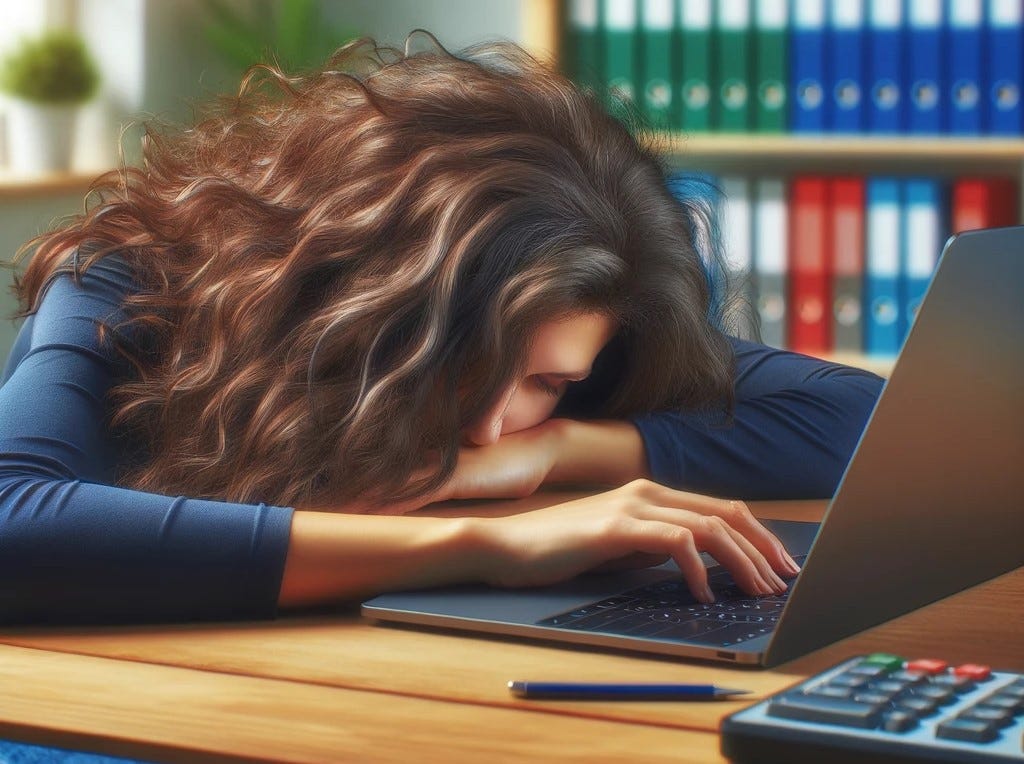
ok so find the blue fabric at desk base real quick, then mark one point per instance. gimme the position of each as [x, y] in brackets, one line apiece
[23, 753]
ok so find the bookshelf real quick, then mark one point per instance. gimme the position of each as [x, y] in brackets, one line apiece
[18, 186]
[787, 154]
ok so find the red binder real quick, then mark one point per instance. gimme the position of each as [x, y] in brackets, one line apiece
[846, 243]
[984, 203]
[810, 291]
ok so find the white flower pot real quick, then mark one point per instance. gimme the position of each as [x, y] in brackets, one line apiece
[40, 137]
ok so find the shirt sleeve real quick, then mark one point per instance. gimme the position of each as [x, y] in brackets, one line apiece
[73, 546]
[796, 423]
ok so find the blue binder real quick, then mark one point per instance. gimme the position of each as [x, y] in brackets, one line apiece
[882, 335]
[964, 80]
[921, 231]
[924, 66]
[807, 67]
[1003, 46]
[845, 112]
[887, 101]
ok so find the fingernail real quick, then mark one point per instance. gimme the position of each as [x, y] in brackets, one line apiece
[707, 595]
[794, 568]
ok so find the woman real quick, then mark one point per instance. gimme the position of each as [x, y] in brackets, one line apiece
[345, 296]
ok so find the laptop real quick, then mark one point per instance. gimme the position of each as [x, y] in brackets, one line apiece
[932, 502]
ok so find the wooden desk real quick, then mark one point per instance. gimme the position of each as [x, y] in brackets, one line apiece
[332, 687]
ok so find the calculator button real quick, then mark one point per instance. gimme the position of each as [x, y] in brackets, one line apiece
[829, 691]
[927, 666]
[853, 680]
[866, 669]
[958, 684]
[974, 671]
[808, 708]
[919, 706]
[899, 721]
[971, 730]
[886, 661]
[872, 698]
[1015, 690]
[908, 677]
[892, 689]
[997, 716]
[1005, 702]
[941, 695]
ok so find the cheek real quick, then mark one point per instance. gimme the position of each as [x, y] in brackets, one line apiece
[527, 410]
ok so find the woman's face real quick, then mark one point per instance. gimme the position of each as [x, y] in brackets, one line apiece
[562, 351]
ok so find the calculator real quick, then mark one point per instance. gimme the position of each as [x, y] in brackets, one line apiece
[885, 708]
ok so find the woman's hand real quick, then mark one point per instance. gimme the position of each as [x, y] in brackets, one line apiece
[640, 523]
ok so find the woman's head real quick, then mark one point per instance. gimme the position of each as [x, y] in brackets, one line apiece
[345, 271]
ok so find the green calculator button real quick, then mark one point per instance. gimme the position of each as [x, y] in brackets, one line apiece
[885, 661]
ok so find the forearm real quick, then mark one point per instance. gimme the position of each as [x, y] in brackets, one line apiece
[603, 451]
[339, 557]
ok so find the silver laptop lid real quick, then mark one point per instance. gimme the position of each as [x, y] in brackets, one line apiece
[933, 499]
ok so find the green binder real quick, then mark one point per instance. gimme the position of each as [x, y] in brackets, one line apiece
[583, 45]
[620, 34]
[693, 81]
[770, 66]
[656, 18]
[732, 59]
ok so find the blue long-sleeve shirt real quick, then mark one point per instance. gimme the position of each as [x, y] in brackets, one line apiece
[75, 547]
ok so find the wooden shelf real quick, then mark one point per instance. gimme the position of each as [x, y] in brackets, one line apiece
[796, 146]
[40, 185]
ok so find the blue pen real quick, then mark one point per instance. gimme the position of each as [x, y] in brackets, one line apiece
[606, 691]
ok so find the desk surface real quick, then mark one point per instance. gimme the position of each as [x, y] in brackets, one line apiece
[332, 686]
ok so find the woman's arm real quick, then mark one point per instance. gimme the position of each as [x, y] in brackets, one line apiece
[74, 547]
[797, 422]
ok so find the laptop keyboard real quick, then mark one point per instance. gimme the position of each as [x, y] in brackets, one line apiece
[667, 611]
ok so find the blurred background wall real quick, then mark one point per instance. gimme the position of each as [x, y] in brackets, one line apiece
[155, 60]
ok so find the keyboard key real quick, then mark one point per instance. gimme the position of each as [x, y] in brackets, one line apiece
[970, 730]
[699, 631]
[899, 721]
[974, 671]
[847, 713]
[730, 635]
[927, 666]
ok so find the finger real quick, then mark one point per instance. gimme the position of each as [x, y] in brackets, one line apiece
[762, 565]
[659, 537]
[711, 535]
[739, 516]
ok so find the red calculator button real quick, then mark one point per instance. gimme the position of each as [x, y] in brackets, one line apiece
[927, 666]
[973, 671]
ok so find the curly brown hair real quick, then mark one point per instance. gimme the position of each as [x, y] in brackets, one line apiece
[339, 271]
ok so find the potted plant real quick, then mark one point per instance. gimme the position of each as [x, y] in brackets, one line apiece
[45, 79]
